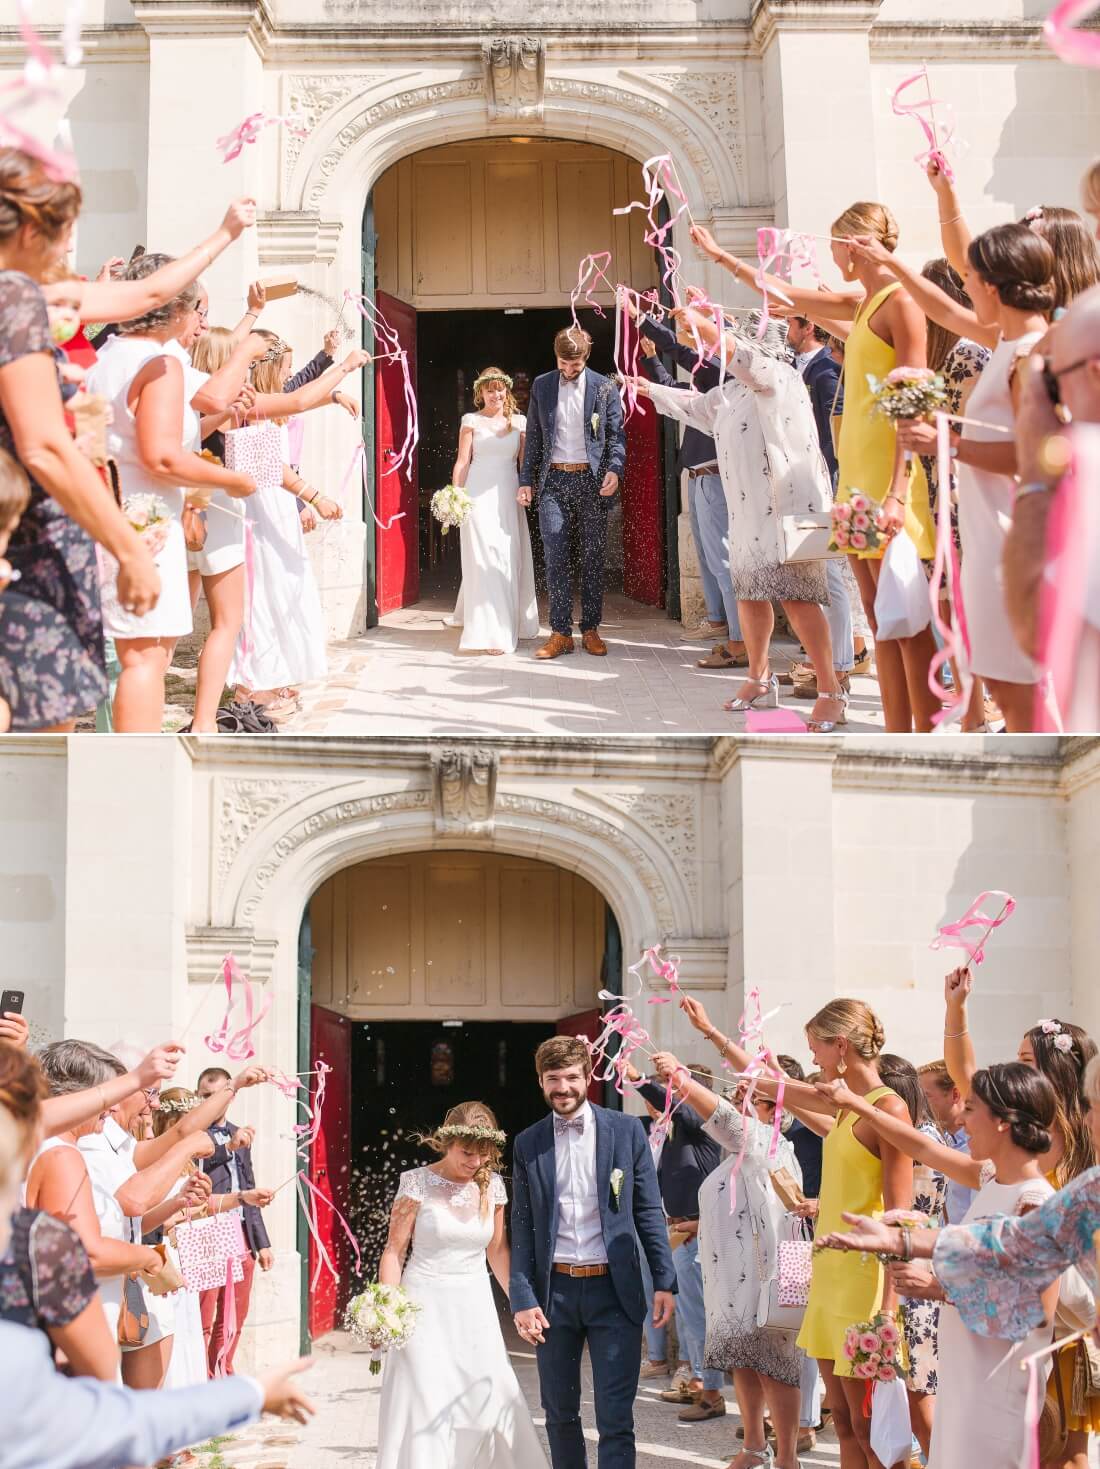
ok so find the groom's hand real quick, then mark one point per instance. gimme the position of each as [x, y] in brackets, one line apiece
[532, 1324]
[664, 1304]
[523, 494]
[610, 483]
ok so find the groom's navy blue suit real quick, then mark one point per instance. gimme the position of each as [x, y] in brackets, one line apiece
[571, 501]
[606, 1310]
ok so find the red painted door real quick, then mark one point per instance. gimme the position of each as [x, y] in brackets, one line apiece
[329, 1166]
[398, 559]
[588, 1023]
[643, 500]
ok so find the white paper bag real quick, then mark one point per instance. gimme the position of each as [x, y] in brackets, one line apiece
[891, 1431]
[902, 605]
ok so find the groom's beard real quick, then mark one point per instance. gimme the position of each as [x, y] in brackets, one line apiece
[565, 1106]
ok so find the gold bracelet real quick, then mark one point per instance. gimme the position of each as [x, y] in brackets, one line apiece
[953, 1035]
[953, 218]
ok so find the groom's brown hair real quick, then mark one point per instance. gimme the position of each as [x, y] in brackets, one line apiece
[561, 1051]
[573, 341]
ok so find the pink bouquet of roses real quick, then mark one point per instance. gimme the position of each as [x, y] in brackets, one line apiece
[854, 525]
[151, 518]
[874, 1349]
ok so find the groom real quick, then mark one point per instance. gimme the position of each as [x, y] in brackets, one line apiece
[584, 1197]
[575, 456]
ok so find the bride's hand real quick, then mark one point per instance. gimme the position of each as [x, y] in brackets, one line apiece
[523, 494]
[532, 1324]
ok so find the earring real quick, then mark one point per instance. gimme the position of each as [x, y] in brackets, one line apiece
[841, 1067]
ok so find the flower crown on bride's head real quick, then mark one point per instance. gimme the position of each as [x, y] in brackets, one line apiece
[492, 377]
[469, 1132]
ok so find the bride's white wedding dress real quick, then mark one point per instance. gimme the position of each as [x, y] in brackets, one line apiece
[450, 1399]
[496, 603]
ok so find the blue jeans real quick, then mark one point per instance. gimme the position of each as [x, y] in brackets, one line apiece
[570, 504]
[838, 614]
[656, 1337]
[712, 594]
[709, 500]
[691, 1314]
[813, 1390]
[580, 1311]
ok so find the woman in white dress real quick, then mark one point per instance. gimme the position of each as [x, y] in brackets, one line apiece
[496, 602]
[769, 455]
[450, 1399]
[153, 439]
[1010, 1114]
[739, 1253]
[282, 642]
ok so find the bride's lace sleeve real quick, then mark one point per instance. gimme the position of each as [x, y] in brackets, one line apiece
[498, 1194]
[411, 1186]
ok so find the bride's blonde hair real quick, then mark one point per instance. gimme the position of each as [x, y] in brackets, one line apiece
[495, 375]
[474, 1124]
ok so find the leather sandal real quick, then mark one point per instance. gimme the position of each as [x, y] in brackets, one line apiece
[767, 698]
[721, 657]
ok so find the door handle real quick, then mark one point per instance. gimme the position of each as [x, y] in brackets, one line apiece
[389, 453]
[322, 1173]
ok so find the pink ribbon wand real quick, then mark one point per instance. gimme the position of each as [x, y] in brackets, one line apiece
[237, 1044]
[934, 152]
[234, 143]
[952, 935]
[1079, 48]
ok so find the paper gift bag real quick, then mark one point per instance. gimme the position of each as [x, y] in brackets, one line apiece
[256, 450]
[207, 1246]
[786, 1186]
[795, 1269]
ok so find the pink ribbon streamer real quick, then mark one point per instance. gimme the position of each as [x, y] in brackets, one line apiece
[383, 332]
[308, 1194]
[38, 82]
[234, 143]
[1079, 48]
[936, 143]
[952, 935]
[359, 460]
[237, 1044]
[946, 571]
[775, 245]
[763, 1064]
[229, 1320]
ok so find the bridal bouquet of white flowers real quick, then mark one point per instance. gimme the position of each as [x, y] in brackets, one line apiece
[150, 517]
[382, 1317]
[450, 506]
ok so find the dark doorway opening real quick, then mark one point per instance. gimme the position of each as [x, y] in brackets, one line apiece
[405, 1076]
[452, 348]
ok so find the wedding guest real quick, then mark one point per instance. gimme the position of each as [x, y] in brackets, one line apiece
[232, 1177]
[82, 1423]
[689, 1154]
[154, 437]
[1076, 257]
[707, 509]
[51, 642]
[46, 1279]
[1009, 280]
[1010, 1111]
[947, 1106]
[806, 1143]
[771, 466]
[1090, 191]
[887, 331]
[738, 1246]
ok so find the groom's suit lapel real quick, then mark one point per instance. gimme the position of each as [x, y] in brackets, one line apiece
[590, 385]
[605, 1147]
[552, 405]
[546, 1166]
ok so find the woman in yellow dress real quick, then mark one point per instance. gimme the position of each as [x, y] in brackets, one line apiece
[860, 1173]
[884, 329]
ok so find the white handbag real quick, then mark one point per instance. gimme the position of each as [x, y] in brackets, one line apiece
[806, 537]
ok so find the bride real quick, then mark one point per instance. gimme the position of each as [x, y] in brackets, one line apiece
[450, 1399]
[496, 603]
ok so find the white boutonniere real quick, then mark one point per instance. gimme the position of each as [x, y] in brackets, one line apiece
[616, 1186]
[595, 421]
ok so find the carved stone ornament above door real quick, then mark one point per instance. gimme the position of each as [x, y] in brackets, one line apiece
[515, 73]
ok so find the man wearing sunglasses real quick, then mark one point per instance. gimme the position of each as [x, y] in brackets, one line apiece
[1059, 384]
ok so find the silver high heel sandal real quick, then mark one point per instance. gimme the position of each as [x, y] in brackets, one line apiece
[767, 698]
[826, 726]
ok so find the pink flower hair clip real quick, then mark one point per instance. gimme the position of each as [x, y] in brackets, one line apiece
[1063, 1041]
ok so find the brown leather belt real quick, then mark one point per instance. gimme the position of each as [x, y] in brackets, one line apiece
[570, 468]
[580, 1272]
[702, 469]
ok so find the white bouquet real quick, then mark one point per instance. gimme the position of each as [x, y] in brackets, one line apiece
[450, 506]
[382, 1317]
[150, 517]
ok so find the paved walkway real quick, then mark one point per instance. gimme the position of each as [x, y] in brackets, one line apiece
[406, 677]
[344, 1435]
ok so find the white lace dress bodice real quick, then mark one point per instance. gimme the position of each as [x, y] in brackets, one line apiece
[450, 1399]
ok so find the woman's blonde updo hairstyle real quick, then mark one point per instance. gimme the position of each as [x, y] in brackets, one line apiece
[471, 1114]
[864, 218]
[495, 375]
[849, 1020]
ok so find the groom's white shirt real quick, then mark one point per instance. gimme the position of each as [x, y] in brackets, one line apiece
[569, 422]
[580, 1232]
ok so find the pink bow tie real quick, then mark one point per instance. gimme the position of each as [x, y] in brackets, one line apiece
[562, 1124]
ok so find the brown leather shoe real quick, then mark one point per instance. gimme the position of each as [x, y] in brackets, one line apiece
[555, 645]
[593, 643]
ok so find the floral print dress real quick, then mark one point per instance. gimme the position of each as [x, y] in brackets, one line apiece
[964, 366]
[52, 665]
[922, 1318]
[45, 1276]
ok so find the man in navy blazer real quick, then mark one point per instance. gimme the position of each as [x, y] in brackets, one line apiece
[584, 1197]
[574, 459]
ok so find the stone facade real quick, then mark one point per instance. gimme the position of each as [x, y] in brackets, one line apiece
[773, 112]
[808, 867]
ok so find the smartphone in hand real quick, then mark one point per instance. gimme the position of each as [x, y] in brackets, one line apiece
[11, 1002]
